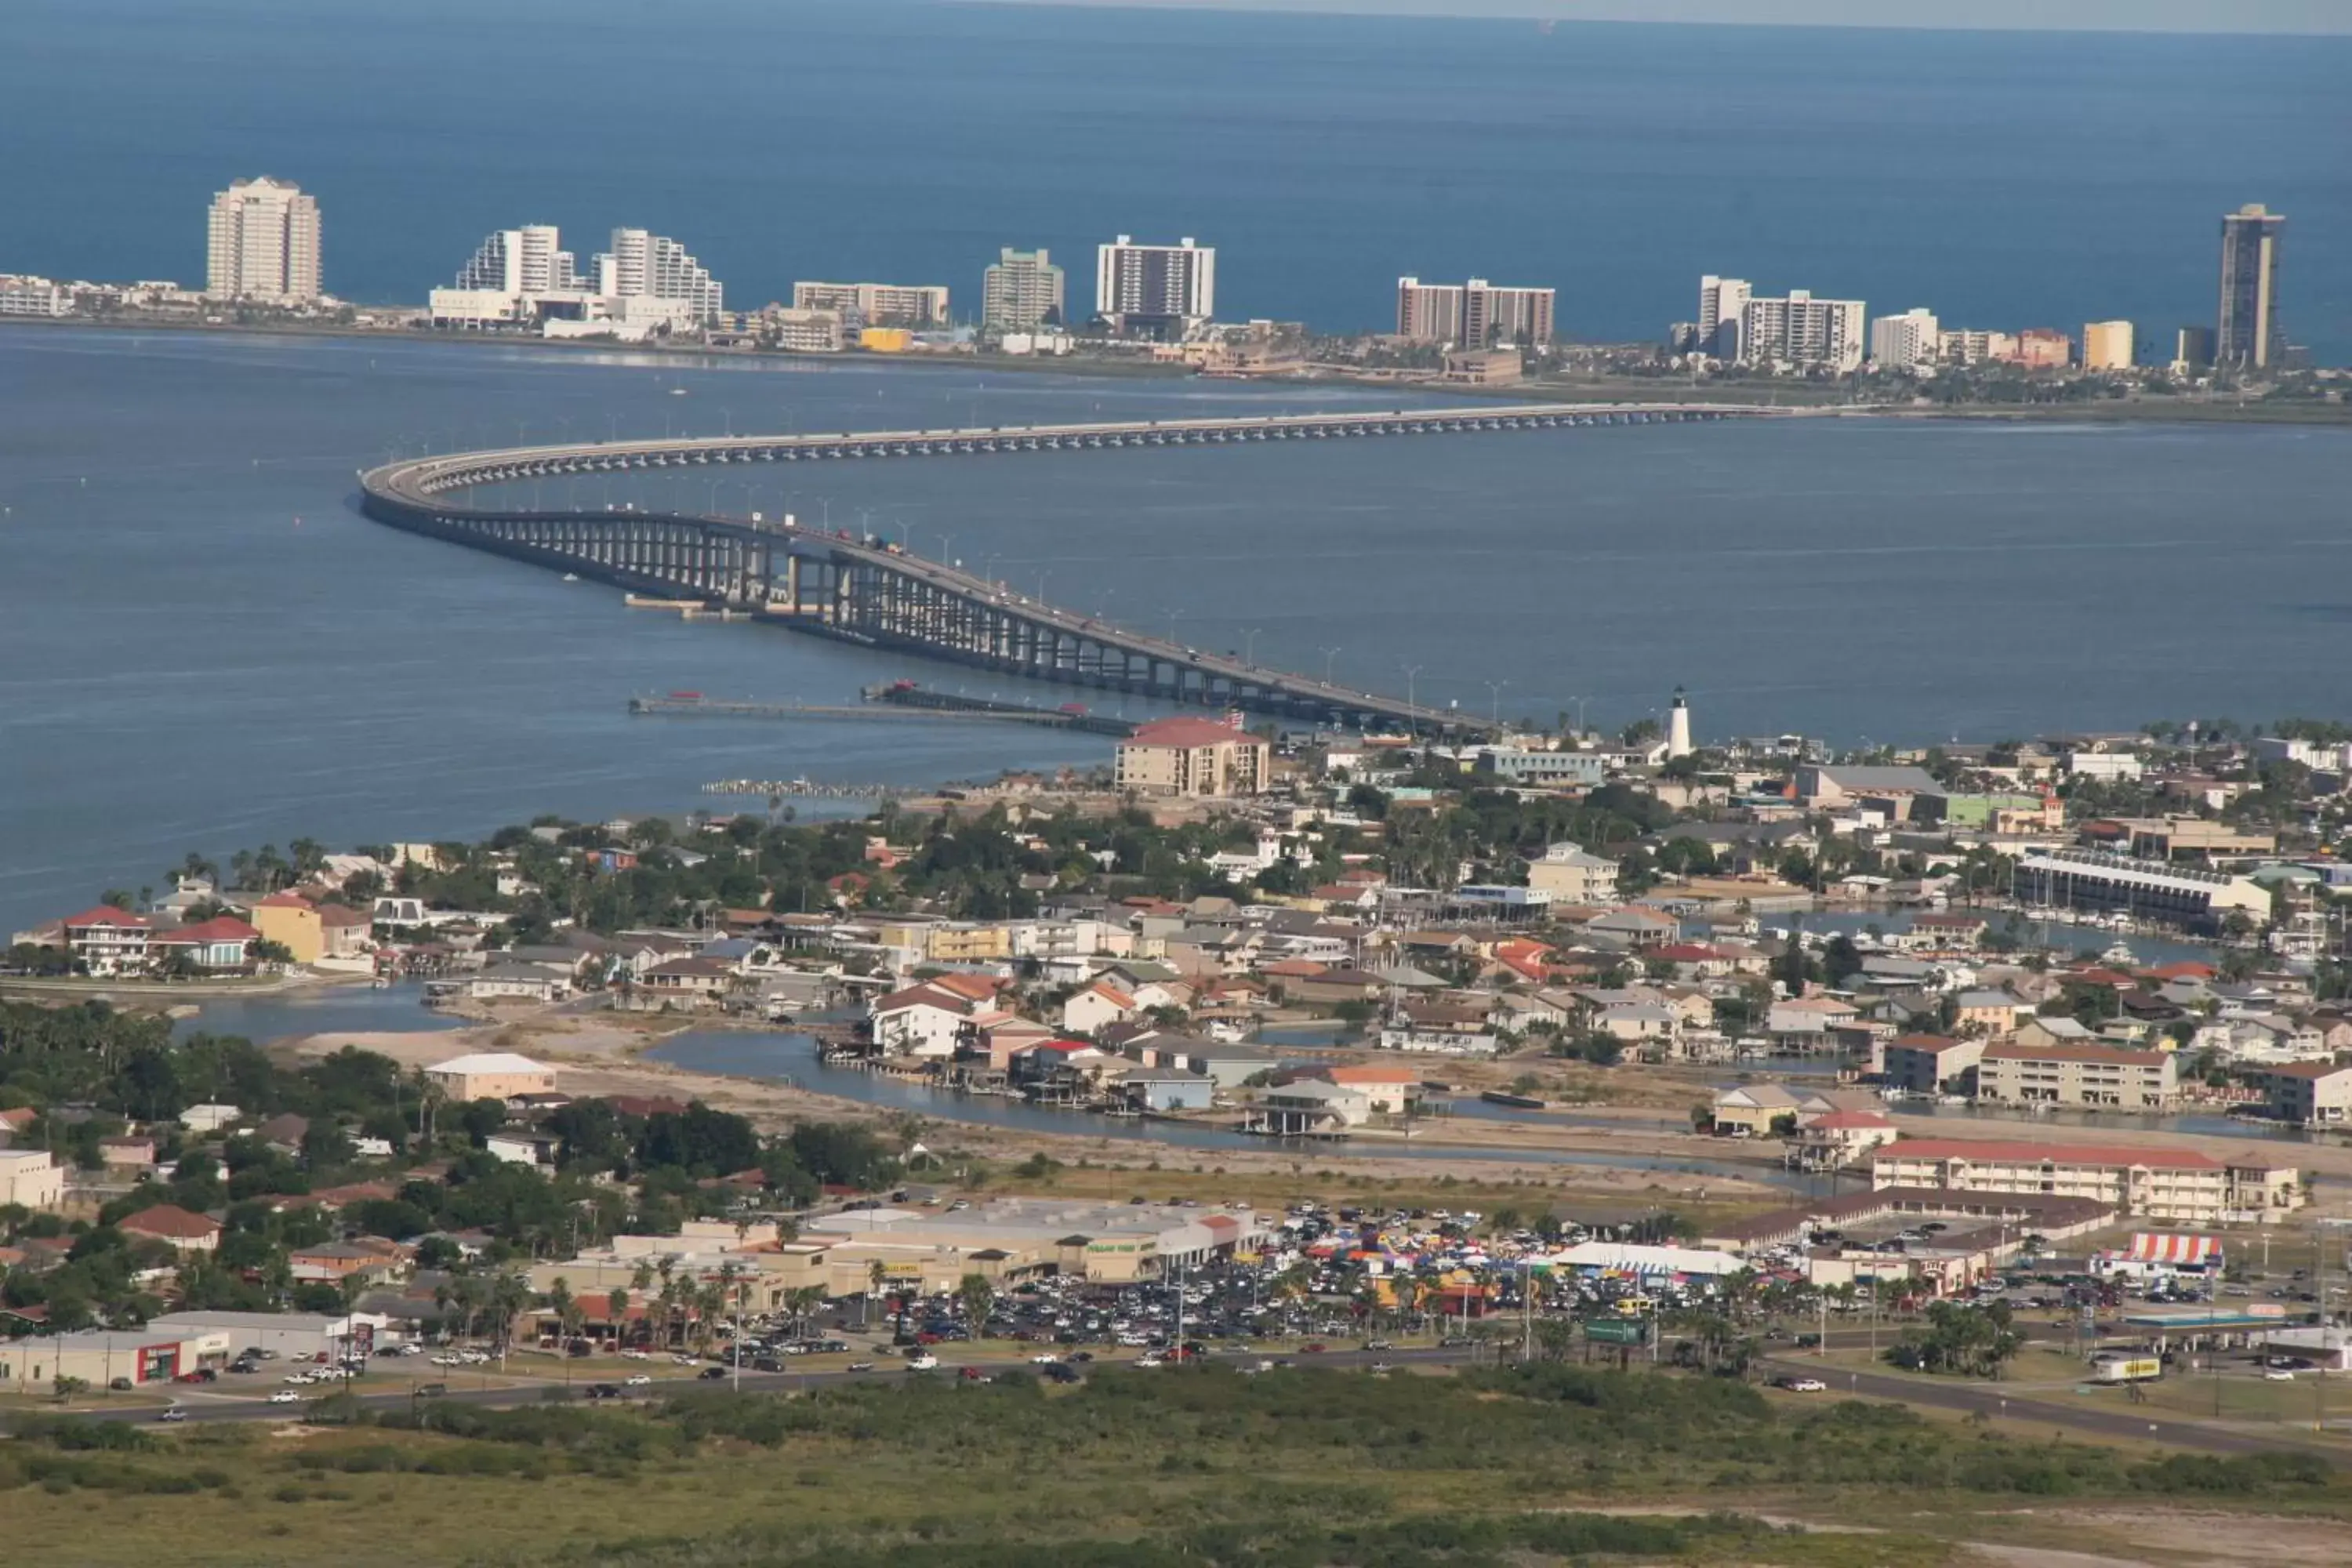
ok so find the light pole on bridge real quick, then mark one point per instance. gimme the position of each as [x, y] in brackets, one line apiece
[1411, 680]
[1328, 655]
[1494, 711]
[1249, 646]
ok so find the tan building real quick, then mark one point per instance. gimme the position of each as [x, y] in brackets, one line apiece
[1193, 757]
[30, 1177]
[1929, 1064]
[2158, 1183]
[292, 921]
[1571, 875]
[491, 1075]
[2097, 1077]
[2107, 346]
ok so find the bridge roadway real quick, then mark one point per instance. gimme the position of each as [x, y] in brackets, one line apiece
[865, 590]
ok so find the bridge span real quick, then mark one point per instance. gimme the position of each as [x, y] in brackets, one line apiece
[865, 590]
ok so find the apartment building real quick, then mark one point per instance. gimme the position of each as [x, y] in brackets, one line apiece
[2248, 334]
[2090, 1076]
[1193, 757]
[2107, 346]
[1797, 329]
[1476, 314]
[2309, 1094]
[1911, 339]
[915, 305]
[261, 243]
[1021, 291]
[1155, 286]
[2158, 1183]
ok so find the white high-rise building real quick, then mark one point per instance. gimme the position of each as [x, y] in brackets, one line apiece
[261, 242]
[1023, 290]
[1910, 338]
[1797, 329]
[1174, 284]
[524, 277]
[1722, 308]
[527, 260]
[657, 271]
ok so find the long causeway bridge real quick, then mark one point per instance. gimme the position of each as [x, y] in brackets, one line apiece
[863, 590]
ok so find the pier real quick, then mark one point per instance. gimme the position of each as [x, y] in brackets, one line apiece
[866, 591]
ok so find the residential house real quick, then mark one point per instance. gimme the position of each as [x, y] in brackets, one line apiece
[691, 985]
[174, 1227]
[216, 946]
[1836, 1138]
[1991, 1011]
[1932, 1064]
[1760, 1110]
[1807, 1022]
[1164, 1089]
[490, 1075]
[1388, 1091]
[1097, 1006]
[922, 1020]
[30, 1177]
[106, 941]
[1309, 1107]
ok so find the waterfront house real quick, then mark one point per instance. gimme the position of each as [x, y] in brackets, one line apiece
[219, 946]
[1097, 1006]
[1163, 1089]
[106, 941]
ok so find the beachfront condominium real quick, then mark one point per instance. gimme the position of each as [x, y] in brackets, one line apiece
[878, 304]
[261, 242]
[1155, 290]
[2107, 346]
[527, 260]
[1024, 291]
[2247, 335]
[1911, 339]
[657, 271]
[1722, 305]
[1476, 314]
[1797, 329]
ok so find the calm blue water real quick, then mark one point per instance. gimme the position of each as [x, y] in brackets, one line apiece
[203, 648]
[2005, 180]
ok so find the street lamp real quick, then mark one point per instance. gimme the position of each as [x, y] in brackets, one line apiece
[1249, 646]
[1328, 654]
[1495, 696]
[1411, 676]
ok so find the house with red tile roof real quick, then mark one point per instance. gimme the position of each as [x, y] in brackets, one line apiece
[107, 940]
[223, 944]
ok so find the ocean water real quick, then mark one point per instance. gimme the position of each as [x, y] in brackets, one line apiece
[2005, 180]
[202, 646]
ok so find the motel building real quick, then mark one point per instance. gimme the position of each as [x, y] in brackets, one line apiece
[2179, 1186]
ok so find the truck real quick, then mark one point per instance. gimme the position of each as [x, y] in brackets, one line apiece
[2126, 1369]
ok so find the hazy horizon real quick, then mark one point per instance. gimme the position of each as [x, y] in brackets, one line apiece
[2259, 17]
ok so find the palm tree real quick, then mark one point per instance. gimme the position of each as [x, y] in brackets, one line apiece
[560, 1302]
[977, 1296]
[877, 1276]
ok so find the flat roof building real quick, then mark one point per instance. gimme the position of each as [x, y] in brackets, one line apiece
[1156, 286]
[2160, 1183]
[2247, 334]
[1476, 314]
[261, 243]
[1022, 290]
[2087, 1077]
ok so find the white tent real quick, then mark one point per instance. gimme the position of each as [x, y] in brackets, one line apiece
[1648, 1262]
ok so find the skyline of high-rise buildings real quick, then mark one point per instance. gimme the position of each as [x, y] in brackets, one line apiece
[644, 282]
[262, 242]
[2247, 333]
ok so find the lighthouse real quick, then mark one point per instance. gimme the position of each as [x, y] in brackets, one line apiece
[1678, 741]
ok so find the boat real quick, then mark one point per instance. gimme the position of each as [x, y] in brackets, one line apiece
[2120, 953]
[571, 576]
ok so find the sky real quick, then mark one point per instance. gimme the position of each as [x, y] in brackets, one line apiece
[2038, 16]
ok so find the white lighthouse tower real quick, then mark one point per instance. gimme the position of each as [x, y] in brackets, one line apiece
[1678, 741]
